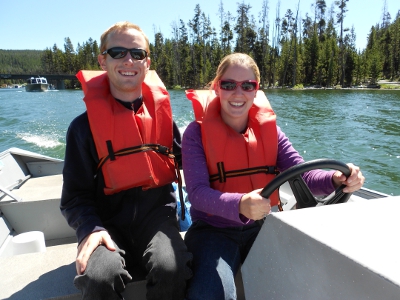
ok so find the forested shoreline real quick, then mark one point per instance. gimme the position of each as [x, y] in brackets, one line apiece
[311, 50]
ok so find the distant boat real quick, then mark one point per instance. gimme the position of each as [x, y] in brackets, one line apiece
[36, 84]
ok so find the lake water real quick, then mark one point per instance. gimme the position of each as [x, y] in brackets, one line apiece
[359, 126]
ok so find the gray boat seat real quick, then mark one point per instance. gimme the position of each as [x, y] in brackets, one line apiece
[39, 209]
[6, 234]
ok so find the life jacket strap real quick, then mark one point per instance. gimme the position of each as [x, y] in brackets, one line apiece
[110, 150]
[223, 175]
[132, 150]
[182, 201]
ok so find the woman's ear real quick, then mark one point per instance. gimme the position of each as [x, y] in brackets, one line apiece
[215, 87]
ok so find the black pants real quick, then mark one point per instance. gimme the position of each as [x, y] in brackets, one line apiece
[164, 260]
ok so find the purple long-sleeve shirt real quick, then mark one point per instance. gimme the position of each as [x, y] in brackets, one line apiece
[222, 209]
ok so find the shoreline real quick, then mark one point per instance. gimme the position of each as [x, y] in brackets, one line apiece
[397, 88]
[380, 85]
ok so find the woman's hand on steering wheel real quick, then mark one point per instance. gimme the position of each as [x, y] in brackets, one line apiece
[254, 206]
[353, 183]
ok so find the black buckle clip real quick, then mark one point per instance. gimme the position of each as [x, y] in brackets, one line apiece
[272, 170]
[163, 150]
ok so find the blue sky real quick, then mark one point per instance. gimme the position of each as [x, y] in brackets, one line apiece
[41, 24]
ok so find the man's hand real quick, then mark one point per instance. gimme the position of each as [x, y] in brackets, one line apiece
[88, 245]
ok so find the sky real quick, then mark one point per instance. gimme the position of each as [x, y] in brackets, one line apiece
[37, 25]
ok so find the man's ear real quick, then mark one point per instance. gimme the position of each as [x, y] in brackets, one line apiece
[101, 58]
[148, 63]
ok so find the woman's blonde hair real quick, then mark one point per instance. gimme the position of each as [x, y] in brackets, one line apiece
[121, 26]
[235, 59]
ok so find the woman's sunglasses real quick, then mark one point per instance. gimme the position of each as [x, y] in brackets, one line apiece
[121, 52]
[231, 85]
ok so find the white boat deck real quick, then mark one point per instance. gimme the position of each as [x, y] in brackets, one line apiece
[342, 251]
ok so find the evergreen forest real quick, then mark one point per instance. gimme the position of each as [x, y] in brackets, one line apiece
[313, 50]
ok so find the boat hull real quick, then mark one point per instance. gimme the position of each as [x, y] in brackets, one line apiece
[37, 87]
[311, 254]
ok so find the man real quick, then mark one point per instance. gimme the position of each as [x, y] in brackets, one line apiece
[117, 191]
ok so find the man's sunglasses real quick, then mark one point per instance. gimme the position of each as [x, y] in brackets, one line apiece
[120, 52]
[231, 85]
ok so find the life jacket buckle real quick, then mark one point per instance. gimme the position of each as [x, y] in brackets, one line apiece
[272, 170]
[163, 150]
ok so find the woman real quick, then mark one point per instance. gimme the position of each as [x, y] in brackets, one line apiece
[236, 131]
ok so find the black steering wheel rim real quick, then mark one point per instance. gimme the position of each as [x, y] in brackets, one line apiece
[300, 190]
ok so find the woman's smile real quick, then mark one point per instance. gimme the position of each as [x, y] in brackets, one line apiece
[236, 104]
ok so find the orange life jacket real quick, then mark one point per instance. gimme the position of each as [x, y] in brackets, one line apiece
[134, 149]
[238, 162]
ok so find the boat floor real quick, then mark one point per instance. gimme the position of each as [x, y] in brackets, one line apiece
[50, 274]
[42, 275]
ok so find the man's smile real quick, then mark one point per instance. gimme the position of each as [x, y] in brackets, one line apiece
[128, 73]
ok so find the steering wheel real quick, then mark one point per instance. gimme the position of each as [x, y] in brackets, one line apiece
[300, 190]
